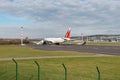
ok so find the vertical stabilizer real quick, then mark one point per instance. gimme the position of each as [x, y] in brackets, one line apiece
[68, 33]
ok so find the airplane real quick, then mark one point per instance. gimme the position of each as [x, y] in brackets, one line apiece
[56, 41]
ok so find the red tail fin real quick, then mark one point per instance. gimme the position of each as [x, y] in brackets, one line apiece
[68, 33]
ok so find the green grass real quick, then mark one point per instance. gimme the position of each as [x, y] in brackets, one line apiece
[83, 68]
[18, 51]
[51, 69]
[104, 43]
[96, 43]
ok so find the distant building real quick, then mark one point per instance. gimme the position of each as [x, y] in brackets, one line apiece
[105, 38]
[100, 38]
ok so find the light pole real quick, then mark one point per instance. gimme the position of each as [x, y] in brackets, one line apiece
[82, 36]
[21, 36]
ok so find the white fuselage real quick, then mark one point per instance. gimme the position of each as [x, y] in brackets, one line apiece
[54, 40]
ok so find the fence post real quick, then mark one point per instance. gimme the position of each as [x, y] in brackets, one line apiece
[16, 68]
[65, 71]
[38, 70]
[98, 72]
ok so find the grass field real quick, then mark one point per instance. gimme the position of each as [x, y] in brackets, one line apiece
[83, 68]
[18, 51]
[96, 43]
[104, 43]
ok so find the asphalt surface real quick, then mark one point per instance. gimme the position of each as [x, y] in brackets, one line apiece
[107, 50]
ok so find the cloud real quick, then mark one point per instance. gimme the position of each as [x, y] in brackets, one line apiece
[46, 10]
[79, 14]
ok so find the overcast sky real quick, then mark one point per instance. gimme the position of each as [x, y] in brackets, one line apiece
[52, 18]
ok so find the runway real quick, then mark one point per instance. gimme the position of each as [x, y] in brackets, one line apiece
[108, 50]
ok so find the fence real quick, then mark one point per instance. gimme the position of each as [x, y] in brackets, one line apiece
[38, 73]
